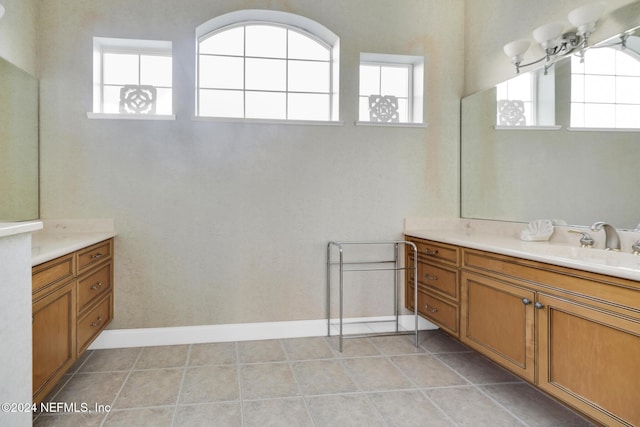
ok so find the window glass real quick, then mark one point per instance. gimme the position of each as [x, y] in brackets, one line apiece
[279, 73]
[132, 76]
[605, 88]
[389, 84]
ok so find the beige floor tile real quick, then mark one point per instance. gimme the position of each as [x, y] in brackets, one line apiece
[117, 359]
[261, 351]
[66, 420]
[223, 353]
[468, 407]
[157, 417]
[427, 371]
[353, 347]
[376, 373]
[210, 384]
[92, 389]
[477, 369]
[323, 377]
[154, 387]
[290, 412]
[170, 356]
[443, 343]
[308, 348]
[409, 409]
[268, 380]
[227, 414]
[343, 410]
[533, 407]
[400, 344]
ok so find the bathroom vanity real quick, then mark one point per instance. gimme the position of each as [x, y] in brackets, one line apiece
[564, 319]
[72, 300]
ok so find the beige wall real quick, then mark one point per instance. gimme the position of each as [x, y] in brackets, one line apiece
[18, 37]
[228, 222]
[490, 24]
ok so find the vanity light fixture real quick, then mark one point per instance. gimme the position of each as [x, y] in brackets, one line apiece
[554, 40]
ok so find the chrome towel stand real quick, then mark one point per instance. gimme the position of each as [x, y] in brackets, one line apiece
[378, 265]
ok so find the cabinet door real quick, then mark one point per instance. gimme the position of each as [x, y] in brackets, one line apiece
[498, 321]
[53, 338]
[590, 358]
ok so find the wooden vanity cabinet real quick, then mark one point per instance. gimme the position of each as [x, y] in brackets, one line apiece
[72, 302]
[497, 319]
[590, 359]
[572, 333]
[438, 283]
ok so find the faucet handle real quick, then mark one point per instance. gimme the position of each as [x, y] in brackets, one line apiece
[635, 248]
[586, 241]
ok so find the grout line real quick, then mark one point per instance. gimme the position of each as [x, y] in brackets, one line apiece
[239, 379]
[184, 375]
[122, 386]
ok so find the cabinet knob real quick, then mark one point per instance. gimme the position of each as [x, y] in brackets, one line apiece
[538, 305]
[430, 309]
[428, 252]
[526, 301]
[96, 286]
[97, 322]
[96, 255]
[428, 277]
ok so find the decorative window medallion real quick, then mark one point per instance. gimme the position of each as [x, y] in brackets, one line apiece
[511, 113]
[383, 108]
[138, 99]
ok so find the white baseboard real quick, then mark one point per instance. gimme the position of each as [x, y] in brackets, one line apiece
[145, 337]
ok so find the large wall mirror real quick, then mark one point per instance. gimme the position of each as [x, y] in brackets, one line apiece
[577, 164]
[18, 144]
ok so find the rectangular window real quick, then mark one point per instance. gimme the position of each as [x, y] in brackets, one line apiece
[527, 100]
[391, 88]
[132, 77]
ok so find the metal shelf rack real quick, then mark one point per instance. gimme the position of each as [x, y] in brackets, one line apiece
[375, 265]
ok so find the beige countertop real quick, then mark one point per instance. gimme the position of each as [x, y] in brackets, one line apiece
[502, 238]
[60, 237]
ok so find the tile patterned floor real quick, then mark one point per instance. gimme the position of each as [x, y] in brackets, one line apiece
[382, 381]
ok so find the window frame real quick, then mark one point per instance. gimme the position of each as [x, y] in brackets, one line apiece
[416, 96]
[138, 47]
[290, 22]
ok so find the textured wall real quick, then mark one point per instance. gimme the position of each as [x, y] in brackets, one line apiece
[490, 24]
[228, 222]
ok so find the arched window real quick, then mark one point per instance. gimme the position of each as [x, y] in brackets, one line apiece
[605, 87]
[259, 64]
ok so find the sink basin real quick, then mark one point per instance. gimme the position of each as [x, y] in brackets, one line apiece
[588, 255]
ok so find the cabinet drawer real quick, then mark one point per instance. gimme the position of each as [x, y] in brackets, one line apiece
[53, 271]
[440, 312]
[92, 323]
[437, 251]
[94, 254]
[93, 285]
[438, 278]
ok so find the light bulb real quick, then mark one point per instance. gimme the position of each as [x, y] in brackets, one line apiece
[548, 34]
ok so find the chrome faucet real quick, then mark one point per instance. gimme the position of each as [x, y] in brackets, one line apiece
[612, 240]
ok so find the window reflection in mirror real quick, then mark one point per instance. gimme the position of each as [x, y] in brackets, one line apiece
[526, 100]
[605, 87]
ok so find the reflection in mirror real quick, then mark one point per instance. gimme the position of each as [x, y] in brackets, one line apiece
[527, 100]
[18, 144]
[578, 178]
[605, 85]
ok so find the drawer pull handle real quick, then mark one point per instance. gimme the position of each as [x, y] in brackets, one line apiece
[96, 255]
[431, 309]
[526, 301]
[97, 322]
[538, 305]
[96, 286]
[433, 252]
[426, 276]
